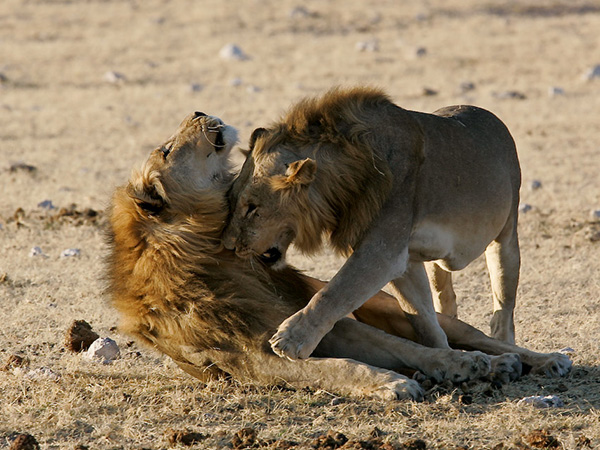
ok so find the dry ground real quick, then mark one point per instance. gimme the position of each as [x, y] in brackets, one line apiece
[83, 133]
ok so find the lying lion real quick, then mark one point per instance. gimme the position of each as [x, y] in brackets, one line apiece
[395, 189]
[179, 290]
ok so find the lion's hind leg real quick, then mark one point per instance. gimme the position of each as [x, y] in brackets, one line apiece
[503, 261]
[444, 298]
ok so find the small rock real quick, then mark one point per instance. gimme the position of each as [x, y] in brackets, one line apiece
[420, 52]
[300, 12]
[104, 350]
[195, 87]
[20, 166]
[592, 234]
[555, 91]
[592, 73]
[525, 208]
[235, 82]
[70, 252]
[539, 401]
[46, 204]
[42, 373]
[367, 46]
[3, 79]
[114, 77]
[535, 184]
[595, 214]
[37, 251]
[233, 52]
[428, 92]
[24, 442]
[516, 95]
[80, 336]
[253, 89]
[466, 86]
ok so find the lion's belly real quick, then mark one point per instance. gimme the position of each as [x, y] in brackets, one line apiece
[452, 249]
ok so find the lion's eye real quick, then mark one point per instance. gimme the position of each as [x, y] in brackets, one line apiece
[251, 210]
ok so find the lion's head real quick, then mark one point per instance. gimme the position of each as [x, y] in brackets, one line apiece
[314, 173]
[194, 159]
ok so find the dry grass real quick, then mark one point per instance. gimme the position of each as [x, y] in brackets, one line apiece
[84, 134]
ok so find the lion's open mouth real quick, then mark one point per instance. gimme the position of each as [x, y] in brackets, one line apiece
[271, 256]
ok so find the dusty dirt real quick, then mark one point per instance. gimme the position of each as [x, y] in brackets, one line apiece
[87, 89]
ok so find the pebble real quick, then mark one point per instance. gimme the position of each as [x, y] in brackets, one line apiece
[37, 251]
[420, 52]
[592, 73]
[104, 350]
[46, 204]
[70, 252]
[195, 87]
[253, 89]
[42, 373]
[509, 95]
[595, 214]
[232, 52]
[114, 77]
[467, 86]
[539, 401]
[371, 45]
[555, 91]
[525, 208]
[535, 184]
[299, 12]
[235, 82]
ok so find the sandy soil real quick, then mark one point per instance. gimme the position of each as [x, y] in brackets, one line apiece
[87, 89]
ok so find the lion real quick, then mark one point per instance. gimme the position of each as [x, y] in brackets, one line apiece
[177, 289]
[398, 191]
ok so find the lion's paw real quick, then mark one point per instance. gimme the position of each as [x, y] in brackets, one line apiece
[506, 367]
[296, 337]
[400, 389]
[458, 366]
[553, 365]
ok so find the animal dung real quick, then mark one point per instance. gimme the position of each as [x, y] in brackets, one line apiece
[104, 350]
[80, 336]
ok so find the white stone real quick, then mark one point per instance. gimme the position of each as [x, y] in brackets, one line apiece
[595, 214]
[535, 184]
[37, 251]
[592, 73]
[104, 350]
[555, 91]
[70, 252]
[114, 77]
[371, 45]
[43, 373]
[235, 82]
[540, 401]
[233, 52]
[525, 208]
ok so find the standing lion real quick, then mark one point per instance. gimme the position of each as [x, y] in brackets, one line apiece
[395, 189]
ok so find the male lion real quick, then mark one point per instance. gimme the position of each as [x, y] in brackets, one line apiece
[394, 188]
[177, 289]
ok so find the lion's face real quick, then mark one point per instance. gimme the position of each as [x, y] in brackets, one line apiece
[195, 158]
[265, 199]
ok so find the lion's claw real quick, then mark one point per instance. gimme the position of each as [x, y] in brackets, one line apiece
[296, 338]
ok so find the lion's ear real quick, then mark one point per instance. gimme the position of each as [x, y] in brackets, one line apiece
[301, 172]
[255, 135]
[148, 196]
